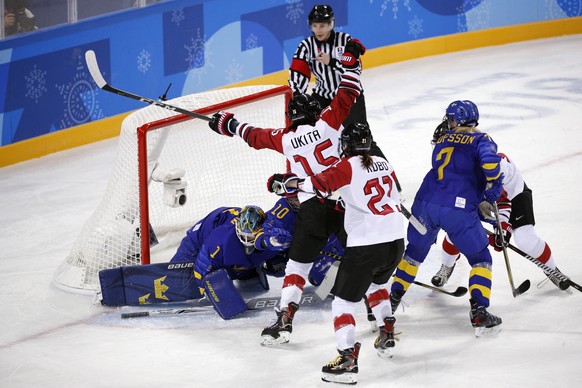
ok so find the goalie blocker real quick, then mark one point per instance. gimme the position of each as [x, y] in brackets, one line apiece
[169, 282]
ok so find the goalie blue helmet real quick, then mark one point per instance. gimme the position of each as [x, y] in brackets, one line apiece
[248, 225]
[303, 109]
[462, 113]
[356, 139]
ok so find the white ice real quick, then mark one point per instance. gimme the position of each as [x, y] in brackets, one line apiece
[530, 98]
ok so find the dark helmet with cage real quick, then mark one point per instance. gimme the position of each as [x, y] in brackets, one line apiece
[320, 14]
[356, 139]
[303, 109]
[462, 113]
[248, 225]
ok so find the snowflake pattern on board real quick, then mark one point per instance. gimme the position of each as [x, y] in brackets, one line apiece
[555, 9]
[251, 42]
[144, 61]
[35, 84]
[199, 72]
[234, 72]
[79, 99]
[395, 6]
[415, 26]
[294, 10]
[195, 57]
[480, 12]
[178, 16]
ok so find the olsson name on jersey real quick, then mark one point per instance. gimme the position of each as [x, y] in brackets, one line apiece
[303, 140]
[456, 138]
[378, 166]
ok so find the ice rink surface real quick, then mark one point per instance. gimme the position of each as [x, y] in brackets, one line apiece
[530, 98]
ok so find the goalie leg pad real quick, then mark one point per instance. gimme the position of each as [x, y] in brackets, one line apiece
[223, 295]
[148, 284]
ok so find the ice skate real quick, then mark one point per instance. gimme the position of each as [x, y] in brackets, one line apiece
[385, 341]
[561, 284]
[344, 368]
[484, 322]
[442, 276]
[280, 332]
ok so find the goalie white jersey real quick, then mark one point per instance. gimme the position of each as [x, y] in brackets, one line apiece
[372, 201]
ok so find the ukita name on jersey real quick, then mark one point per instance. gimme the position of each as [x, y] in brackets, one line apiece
[304, 65]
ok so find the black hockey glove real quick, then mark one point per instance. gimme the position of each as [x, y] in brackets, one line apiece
[355, 47]
[223, 123]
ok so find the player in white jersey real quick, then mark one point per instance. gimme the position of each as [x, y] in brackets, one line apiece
[375, 244]
[310, 145]
[517, 218]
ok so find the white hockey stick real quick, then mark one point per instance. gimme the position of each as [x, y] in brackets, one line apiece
[93, 67]
[413, 220]
[327, 284]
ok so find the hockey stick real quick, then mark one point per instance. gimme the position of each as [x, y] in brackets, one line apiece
[523, 287]
[541, 265]
[413, 220]
[203, 305]
[93, 67]
[328, 281]
[460, 291]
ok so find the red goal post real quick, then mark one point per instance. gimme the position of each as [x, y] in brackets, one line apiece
[164, 157]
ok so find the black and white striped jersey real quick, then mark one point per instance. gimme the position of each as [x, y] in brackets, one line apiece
[304, 65]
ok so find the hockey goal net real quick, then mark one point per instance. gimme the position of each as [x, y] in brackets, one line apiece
[164, 159]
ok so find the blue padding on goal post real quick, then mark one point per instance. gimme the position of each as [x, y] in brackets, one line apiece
[224, 296]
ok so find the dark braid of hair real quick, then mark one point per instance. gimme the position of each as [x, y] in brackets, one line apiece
[366, 159]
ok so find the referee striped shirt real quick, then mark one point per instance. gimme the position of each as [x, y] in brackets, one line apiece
[304, 65]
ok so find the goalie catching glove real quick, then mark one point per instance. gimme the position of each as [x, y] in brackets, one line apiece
[223, 123]
[278, 183]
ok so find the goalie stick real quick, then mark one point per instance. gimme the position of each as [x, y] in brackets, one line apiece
[541, 265]
[93, 67]
[523, 287]
[260, 303]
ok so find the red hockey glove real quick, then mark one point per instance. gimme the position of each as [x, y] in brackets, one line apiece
[496, 240]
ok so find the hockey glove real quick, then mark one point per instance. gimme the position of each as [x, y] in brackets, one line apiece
[502, 237]
[486, 213]
[493, 190]
[355, 47]
[277, 183]
[350, 57]
[223, 123]
[274, 239]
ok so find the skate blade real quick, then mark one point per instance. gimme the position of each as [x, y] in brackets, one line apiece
[374, 326]
[385, 354]
[487, 331]
[344, 378]
[267, 340]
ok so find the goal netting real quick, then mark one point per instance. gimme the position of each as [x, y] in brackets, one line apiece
[164, 158]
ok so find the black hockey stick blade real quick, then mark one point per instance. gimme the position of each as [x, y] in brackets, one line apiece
[93, 67]
[460, 291]
[523, 287]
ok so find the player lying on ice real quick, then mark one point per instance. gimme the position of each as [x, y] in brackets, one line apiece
[228, 244]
